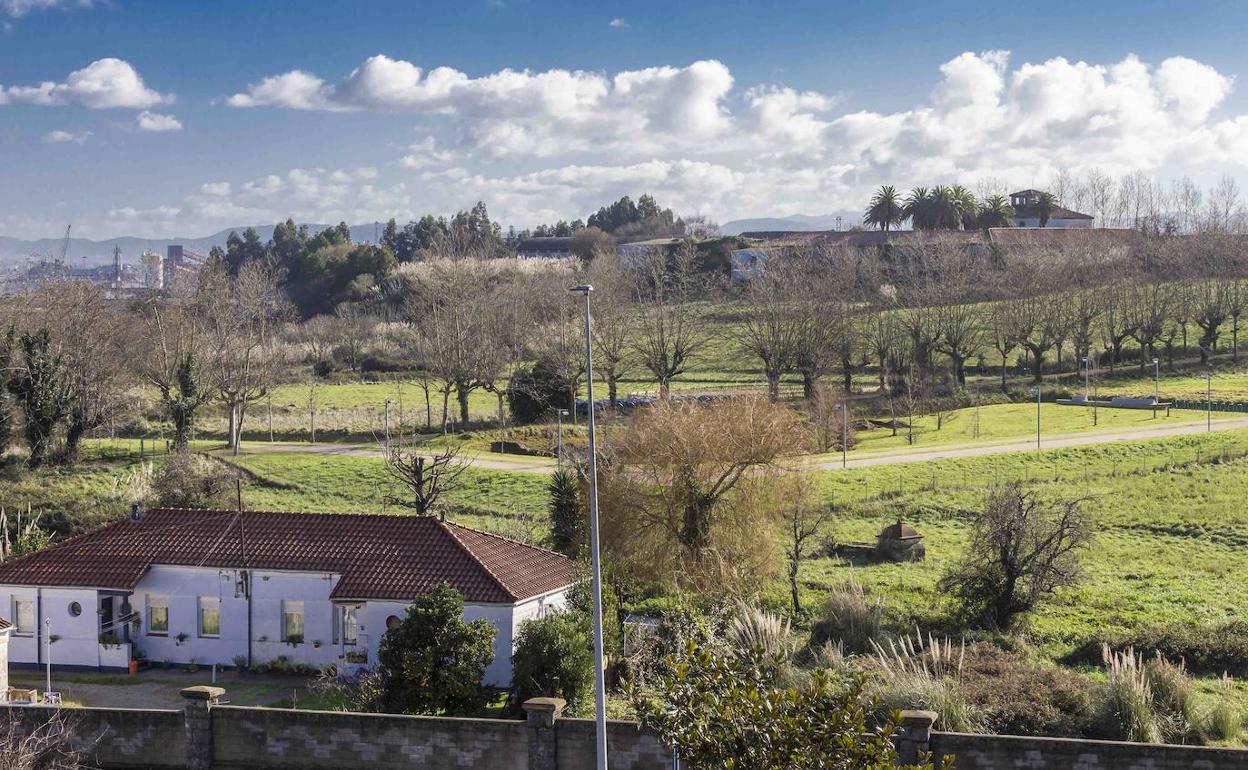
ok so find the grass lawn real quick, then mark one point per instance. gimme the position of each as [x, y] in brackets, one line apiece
[1169, 545]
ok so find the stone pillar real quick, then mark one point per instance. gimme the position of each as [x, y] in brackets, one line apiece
[198, 724]
[541, 715]
[914, 735]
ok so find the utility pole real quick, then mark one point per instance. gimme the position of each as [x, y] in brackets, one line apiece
[844, 435]
[600, 684]
[385, 420]
[47, 636]
[559, 415]
[1038, 392]
[270, 418]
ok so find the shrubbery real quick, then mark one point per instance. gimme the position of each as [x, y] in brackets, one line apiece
[193, 481]
[554, 657]
[1208, 650]
[848, 616]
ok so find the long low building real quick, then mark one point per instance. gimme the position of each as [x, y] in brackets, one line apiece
[234, 588]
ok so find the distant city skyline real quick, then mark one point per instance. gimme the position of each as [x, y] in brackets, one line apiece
[162, 118]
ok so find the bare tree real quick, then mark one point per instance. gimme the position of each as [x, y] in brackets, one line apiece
[174, 358]
[243, 316]
[772, 330]
[1210, 309]
[615, 322]
[1021, 550]
[425, 480]
[805, 517]
[669, 335]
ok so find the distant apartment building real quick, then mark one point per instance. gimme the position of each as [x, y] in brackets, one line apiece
[1026, 213]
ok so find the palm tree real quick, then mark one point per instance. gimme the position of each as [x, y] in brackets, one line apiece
[886, 210]
[995, 211]
[970, 206]
[918, 209]
[947, 209]
[1045, 203]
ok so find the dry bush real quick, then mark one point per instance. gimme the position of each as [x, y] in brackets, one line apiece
[687, 493]
[193, 481]
[850, 618]
[47, 747]
[1020, 697]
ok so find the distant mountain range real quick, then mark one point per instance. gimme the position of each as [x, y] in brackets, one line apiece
[83, 251]
[795, 222]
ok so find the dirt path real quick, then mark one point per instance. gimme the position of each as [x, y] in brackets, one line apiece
[158, 689]
[1027, 444]
[906, 455]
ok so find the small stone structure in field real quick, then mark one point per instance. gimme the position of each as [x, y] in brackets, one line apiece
[900, 542]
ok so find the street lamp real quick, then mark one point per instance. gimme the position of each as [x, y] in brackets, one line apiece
[559, 415]
[1038, 392]
[1208, 378]
[1156, 383]
[385, 420]
[600, 684]
[844, 435]
[1086, 390]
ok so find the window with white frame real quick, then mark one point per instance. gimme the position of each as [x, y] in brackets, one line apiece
[157, 615]
[292, 621]
[209, 616]
[24, 616]
[350, 624]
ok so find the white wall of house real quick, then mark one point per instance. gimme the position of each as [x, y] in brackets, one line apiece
[185, 590]
[1053, 222]
[4, 659]
[77, 636]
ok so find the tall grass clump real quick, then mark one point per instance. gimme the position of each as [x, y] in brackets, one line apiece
[923, 673]
[1127, 706]
[849, 616]
[766, 636]
[1222, 719]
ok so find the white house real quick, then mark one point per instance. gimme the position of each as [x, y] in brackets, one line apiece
[5, 628]
[235, 588]
[1026, 213]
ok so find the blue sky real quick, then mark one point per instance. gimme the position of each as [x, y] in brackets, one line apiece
[727, 109]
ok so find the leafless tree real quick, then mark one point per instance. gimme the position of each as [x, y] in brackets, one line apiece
[615, 321]
[772, 330]
[804, 517]
[1148, 306]
[243, 315]
[1209, 302]
[669, 336]
[425, 480]
[1021, 550]
[175, 356]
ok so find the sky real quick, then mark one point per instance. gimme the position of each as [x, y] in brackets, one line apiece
[164, 118]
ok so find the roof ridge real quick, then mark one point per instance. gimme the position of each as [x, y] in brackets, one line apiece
[446, 527]
[506, 539]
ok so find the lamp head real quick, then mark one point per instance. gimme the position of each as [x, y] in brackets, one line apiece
[582, 289]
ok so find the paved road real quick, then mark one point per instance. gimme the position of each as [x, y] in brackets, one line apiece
[1028, 444]
[906, 455]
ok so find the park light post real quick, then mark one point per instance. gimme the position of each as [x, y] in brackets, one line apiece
[1038, 392]
[1087, 395]
[385, 420]
[600, 684]
[1208, 378]
[844, 435]
[1156, 383]
[559, 415]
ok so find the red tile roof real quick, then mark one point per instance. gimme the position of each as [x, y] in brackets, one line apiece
[378, 557]
[4, 624]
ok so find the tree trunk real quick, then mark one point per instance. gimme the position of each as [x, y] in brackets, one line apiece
[797, 602]
[74, 431]
[612, 391]
[446, 401]
[808, 384]
[461, 395]
[773, 385]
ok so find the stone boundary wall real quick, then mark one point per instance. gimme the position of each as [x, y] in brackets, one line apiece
[208, 736]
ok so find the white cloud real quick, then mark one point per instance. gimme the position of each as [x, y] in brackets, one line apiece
[18, 8]
[154, 121]
[618, 23]
[102, 84]
[519, 112]
[63, 137]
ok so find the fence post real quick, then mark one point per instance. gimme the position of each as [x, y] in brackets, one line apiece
[914, 735]
[541, 715]
[197, 718]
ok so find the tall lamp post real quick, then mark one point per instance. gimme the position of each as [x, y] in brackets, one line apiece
[559, 415]
[844, 435]
[600, 683]
[1156, 382]
[1208, 378]
[1038, 392]
[1086, 368]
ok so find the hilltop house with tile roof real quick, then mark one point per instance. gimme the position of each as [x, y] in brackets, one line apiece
[1026, 213]
[226, 586]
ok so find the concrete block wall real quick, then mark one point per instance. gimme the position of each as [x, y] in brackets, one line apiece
[1007, 752]
[124, 739]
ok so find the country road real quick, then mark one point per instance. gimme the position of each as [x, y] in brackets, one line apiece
[520, 464]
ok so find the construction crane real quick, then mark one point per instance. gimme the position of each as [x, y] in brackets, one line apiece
[60, 261]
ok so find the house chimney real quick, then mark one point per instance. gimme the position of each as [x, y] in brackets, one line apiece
[134, 511]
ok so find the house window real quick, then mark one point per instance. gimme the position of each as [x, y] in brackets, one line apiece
[158, 615]
[24, 616]
[292, 621]
[209, 616]
[346, 624]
